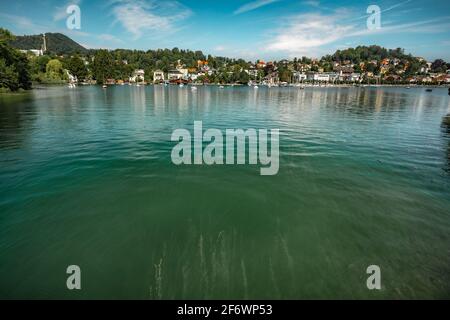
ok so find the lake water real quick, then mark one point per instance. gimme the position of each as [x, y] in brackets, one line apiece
[86, 179]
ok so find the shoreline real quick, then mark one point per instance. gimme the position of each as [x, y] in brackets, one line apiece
[296, 86]
[259, 85]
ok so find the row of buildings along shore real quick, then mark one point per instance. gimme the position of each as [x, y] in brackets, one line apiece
[340, 74]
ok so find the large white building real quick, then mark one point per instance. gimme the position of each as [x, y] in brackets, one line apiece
[315, 76]
[38, 52]
[180, 72]
[33, 51]
[299, 76]
[175, 74]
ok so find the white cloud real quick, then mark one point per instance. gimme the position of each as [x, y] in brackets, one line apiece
[305, 32]
[139, 16]
[309, 34]
[253, 5]
[220, 48]
[109, 38]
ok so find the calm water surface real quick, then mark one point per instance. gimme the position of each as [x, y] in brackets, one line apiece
[86, 178]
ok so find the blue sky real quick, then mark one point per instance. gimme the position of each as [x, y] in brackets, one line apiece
[251, 29]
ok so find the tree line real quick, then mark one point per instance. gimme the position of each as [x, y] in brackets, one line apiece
[18, 71]
[14, 67]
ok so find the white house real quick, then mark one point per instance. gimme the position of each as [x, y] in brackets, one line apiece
[72, 78]
[175, 74]
[193, 76]
[299, 76]
[158, 76]
[355, 77]
[333, 76]
[33, 51]
[323, 77]
[38, 52]
[138, 76]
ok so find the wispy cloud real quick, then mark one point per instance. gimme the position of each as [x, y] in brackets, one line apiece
[437, 25]
[220, 48]
[24, 24]
[253, 5]
[109, 38]
[139, 16]
[309, 34]
[307, 31]
[384, 10]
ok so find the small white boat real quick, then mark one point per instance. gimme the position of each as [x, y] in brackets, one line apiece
[104, 86]
[181, 85]
[221, 87]
[255, 87]
[193, 88]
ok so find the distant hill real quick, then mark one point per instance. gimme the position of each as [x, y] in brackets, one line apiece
[367, 53]
[56, 43]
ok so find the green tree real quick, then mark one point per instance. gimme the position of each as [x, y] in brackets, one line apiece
[439, 66]
[76, 67]
[22, 67]
[285, 75]
[14, 64]
[413, 68]
[39, 64]
[103, 66]
[9, 78]
[54, 70]
[244, 77]
[370, 67]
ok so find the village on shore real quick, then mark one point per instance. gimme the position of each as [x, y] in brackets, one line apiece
[360, 66]
[267, 74]
[305, 72]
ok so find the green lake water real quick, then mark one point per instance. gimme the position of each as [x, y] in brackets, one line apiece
[86, 179]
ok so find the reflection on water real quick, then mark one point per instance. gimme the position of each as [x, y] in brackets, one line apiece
[13, 113]
[86, 178]
[446, 133]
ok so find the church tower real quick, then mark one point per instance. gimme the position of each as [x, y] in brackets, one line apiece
[44, 44]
